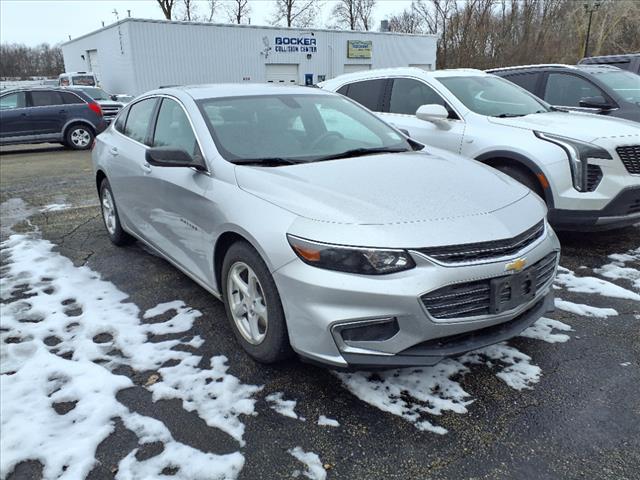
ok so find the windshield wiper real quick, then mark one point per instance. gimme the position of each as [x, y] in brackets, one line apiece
[359, 152]
[509, 115]
[266, 162]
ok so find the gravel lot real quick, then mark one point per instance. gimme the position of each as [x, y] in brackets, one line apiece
[580, 420]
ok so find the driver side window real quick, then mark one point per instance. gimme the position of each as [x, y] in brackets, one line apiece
[173, 129]
[408, 94]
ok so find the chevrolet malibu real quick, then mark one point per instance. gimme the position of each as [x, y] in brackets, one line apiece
[323, 230]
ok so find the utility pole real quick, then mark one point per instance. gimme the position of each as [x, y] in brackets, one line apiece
[590, 8]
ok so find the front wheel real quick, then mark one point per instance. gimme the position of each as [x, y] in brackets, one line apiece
[253, 305]
[79, 137]
[525, 178]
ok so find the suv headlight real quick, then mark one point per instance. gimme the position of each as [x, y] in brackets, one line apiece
[362, 260]
[579, 154]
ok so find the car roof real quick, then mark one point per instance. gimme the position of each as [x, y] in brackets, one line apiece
[405, 71]
[218, 90]
[554, 65]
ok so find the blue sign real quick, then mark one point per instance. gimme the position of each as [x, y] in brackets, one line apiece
[296, 45]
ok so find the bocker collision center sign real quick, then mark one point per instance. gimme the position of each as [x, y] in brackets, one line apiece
[295, 45]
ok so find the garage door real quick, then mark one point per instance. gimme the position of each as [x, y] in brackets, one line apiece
[93, 63]
[356, 67]
[282, 73]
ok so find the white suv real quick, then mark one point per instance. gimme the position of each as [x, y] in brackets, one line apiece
[586, 168]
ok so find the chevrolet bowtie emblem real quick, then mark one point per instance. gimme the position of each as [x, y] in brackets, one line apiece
[516, 266]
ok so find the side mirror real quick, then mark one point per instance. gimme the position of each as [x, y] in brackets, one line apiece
[432, 113]
[114, 98]
[173, 157]
[595, 102]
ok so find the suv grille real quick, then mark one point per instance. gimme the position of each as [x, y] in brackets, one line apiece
[470, 299]
[482, 250]
[630, 156]
[594, 175]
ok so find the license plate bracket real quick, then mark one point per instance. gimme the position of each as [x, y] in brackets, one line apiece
[511, 291]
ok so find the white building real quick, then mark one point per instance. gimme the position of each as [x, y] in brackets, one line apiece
[134, 55]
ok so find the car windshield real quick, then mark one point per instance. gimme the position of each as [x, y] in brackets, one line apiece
[493, 96]
[87, 80]
[96, 93]
[625, 84]
[286, 129]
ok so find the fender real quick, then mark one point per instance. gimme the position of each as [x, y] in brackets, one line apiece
[78, 120]
[522, 161]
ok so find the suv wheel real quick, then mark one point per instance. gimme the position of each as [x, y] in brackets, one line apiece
[110, 216]
[524, 177]
[253, 305]
[79, 137]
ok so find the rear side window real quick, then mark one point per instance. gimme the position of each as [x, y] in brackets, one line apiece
[45, 98]
[528, 81]
[567, 90]
[408, 94]
[173, 128]
[139, 119]
[70, 98]
[13, 100]
[368, 93]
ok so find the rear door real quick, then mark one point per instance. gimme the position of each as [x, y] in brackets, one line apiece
[14, 115]
[530, 81]
[180, 217]
[47, 112]
[563, 89]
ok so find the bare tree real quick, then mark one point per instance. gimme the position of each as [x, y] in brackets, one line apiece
[365, 13]
[189, 12]
[345, 14]
[20, 61]
[212, 8]
[296, 13]
[167, 7]
[238, 10]
[408, 21]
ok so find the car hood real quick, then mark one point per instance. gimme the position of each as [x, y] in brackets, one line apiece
[580, 126]
[383, 189]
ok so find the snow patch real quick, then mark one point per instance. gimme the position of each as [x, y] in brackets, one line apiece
[284, 407]
[55, 207]
[63, 332]
[314, 469]
[584, 310]
[327, 422]
[543, 330]
[625, 364]
[13, 212]
[618, 268]
[571, 282]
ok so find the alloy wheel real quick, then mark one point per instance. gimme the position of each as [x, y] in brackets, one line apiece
[80, 137]
[247, 303]
[108, 211]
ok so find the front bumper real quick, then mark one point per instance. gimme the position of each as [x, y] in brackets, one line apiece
[319, 303]
[621, 211]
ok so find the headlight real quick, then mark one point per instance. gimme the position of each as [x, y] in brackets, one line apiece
[365, 261]
[579, 154]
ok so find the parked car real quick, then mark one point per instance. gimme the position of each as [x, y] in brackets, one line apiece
[108, 103]
[586, 167]
[600, 89]
[78, 79]
[628, 61]
[324, 230]
[43, 115]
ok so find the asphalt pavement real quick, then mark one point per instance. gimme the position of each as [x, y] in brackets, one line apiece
[582, 420]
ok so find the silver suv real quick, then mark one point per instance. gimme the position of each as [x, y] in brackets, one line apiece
[324, 230]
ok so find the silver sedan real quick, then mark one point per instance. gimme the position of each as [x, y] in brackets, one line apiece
[325, 231]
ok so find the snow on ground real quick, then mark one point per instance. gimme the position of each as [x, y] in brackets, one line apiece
[567, 278]
[55, 207]
[63, 331]
[327, 422]
[618, 268]
[14, 211]
[543, 330]
[284, 407]
[585, 310]
[314, 469]
[413, 393]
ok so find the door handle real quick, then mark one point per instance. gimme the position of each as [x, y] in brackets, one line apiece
[62, 111]
[113, 151]
[146, 168]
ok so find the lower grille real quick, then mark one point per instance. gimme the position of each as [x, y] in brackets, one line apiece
[594, 176]
[634, 207]
[471, 299]
[630, 156]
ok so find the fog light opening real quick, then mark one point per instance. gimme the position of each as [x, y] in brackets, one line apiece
[370, 331]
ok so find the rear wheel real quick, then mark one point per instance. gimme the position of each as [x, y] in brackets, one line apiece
[79, 137]
[524, 177]
[110, 216]
[253, 305]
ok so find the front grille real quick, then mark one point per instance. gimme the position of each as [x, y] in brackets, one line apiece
[634, 207]
[483, 250]
[594, 176]
[630, 156]
[470, 299]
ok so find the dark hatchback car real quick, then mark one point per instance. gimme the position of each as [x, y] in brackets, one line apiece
[601, 89]
[43, 115]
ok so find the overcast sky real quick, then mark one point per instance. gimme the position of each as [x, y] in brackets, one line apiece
[52, 21]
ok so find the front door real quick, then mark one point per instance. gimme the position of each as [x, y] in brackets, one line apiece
[14, 116]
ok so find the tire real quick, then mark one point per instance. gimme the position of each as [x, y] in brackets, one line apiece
[268, 342]
[524, 177]
[79, 137]
[111, 218]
